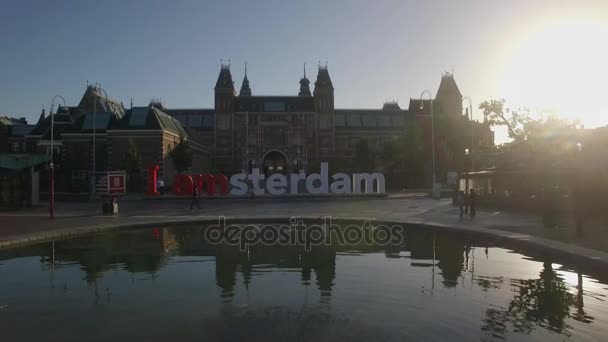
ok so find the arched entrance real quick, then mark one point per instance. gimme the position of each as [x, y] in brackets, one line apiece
[275, 162]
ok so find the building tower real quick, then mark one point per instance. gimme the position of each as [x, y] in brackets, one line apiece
[245, 89]
[449, 99]
[304, 85]
[324, 91]
[224, 91]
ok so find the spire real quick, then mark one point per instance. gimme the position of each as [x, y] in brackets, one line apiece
[245, 89]
[224, 80]
[323, 79]
[41, 118]
[304, 85]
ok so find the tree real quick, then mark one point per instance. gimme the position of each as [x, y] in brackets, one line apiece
[363, 156]
[403, 156]
[181, 156]
[132, 166]
[518, 122]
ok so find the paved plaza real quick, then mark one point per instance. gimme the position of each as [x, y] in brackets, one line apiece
[73, 218]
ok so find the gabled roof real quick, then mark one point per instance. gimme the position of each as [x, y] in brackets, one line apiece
[100, 122]
[194, 118]
[323, 79]
[224, 79]
[62, 124]
[7, 120]
[147, 118]
[419, 106]
[448, 86]
[102, 103]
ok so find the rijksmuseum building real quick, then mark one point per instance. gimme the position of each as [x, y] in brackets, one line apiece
[292, 133]
[243, 130]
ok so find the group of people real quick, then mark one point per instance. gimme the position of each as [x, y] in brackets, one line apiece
[467, 203]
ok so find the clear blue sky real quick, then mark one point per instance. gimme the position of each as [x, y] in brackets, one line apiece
[377, 50]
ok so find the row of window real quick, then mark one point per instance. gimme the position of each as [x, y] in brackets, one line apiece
[351, 142]
[205, 121]
[368, 120]
[325, 122]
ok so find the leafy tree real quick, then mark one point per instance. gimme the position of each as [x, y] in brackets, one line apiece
[132, 166]
[181, 156]
[363, 156]
[132, 160]
[403, 156]
[518, 122]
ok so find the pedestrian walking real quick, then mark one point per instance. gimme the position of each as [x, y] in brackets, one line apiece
[195, 198]
[160, 186]
[460, 202]
[472, 203]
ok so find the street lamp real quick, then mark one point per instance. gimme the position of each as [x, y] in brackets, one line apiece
[98, 89]
[434, 191]
[466, 180]
[470, 110]
[51, 165]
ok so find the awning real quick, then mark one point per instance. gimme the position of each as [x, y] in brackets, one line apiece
[18, 162]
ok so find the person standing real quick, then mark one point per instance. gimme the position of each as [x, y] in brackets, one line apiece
[195, 196]
[460, 202]
[160, 186]
[472, 203]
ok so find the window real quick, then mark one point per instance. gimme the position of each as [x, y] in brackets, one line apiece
[398, 121]
[324, 122]
[341, 142]
[340, 120]
[274, 106]
[208, 121]
[16, 147]
[223, 122]
[195, 121]
[353, 120]
[369, 120]
[384, 121]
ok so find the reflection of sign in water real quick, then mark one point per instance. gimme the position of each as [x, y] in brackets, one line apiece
[275, 135]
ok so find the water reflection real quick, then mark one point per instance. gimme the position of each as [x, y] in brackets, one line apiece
[522, 305]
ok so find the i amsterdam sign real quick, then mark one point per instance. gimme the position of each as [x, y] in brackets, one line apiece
[276, 184]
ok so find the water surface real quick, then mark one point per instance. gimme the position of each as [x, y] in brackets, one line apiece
[169, 283]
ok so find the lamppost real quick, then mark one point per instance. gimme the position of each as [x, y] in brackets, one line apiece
[470, 110]
[467, 153]
[51, 165]
[97, 89]
[434, 191]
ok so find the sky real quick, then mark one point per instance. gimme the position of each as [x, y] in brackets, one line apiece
[546, 55]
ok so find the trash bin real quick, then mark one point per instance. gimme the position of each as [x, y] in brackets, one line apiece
[109, 204]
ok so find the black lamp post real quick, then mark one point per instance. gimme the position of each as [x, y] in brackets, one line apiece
[467, 153]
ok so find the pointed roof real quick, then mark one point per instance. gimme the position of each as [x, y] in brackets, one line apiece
[245, 89]
[95, 95]
[304, 85]
[323, 79]
[146, 118]
[448, 86]
[224, 79]
[41, 118]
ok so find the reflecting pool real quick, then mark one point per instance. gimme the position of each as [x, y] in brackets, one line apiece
[170, 283]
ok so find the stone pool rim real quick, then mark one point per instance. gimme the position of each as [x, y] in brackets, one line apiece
[576, 253]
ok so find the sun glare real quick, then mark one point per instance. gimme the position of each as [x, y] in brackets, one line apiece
[560, 67]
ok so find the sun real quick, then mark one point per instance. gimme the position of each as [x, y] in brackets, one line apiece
[561, 66]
